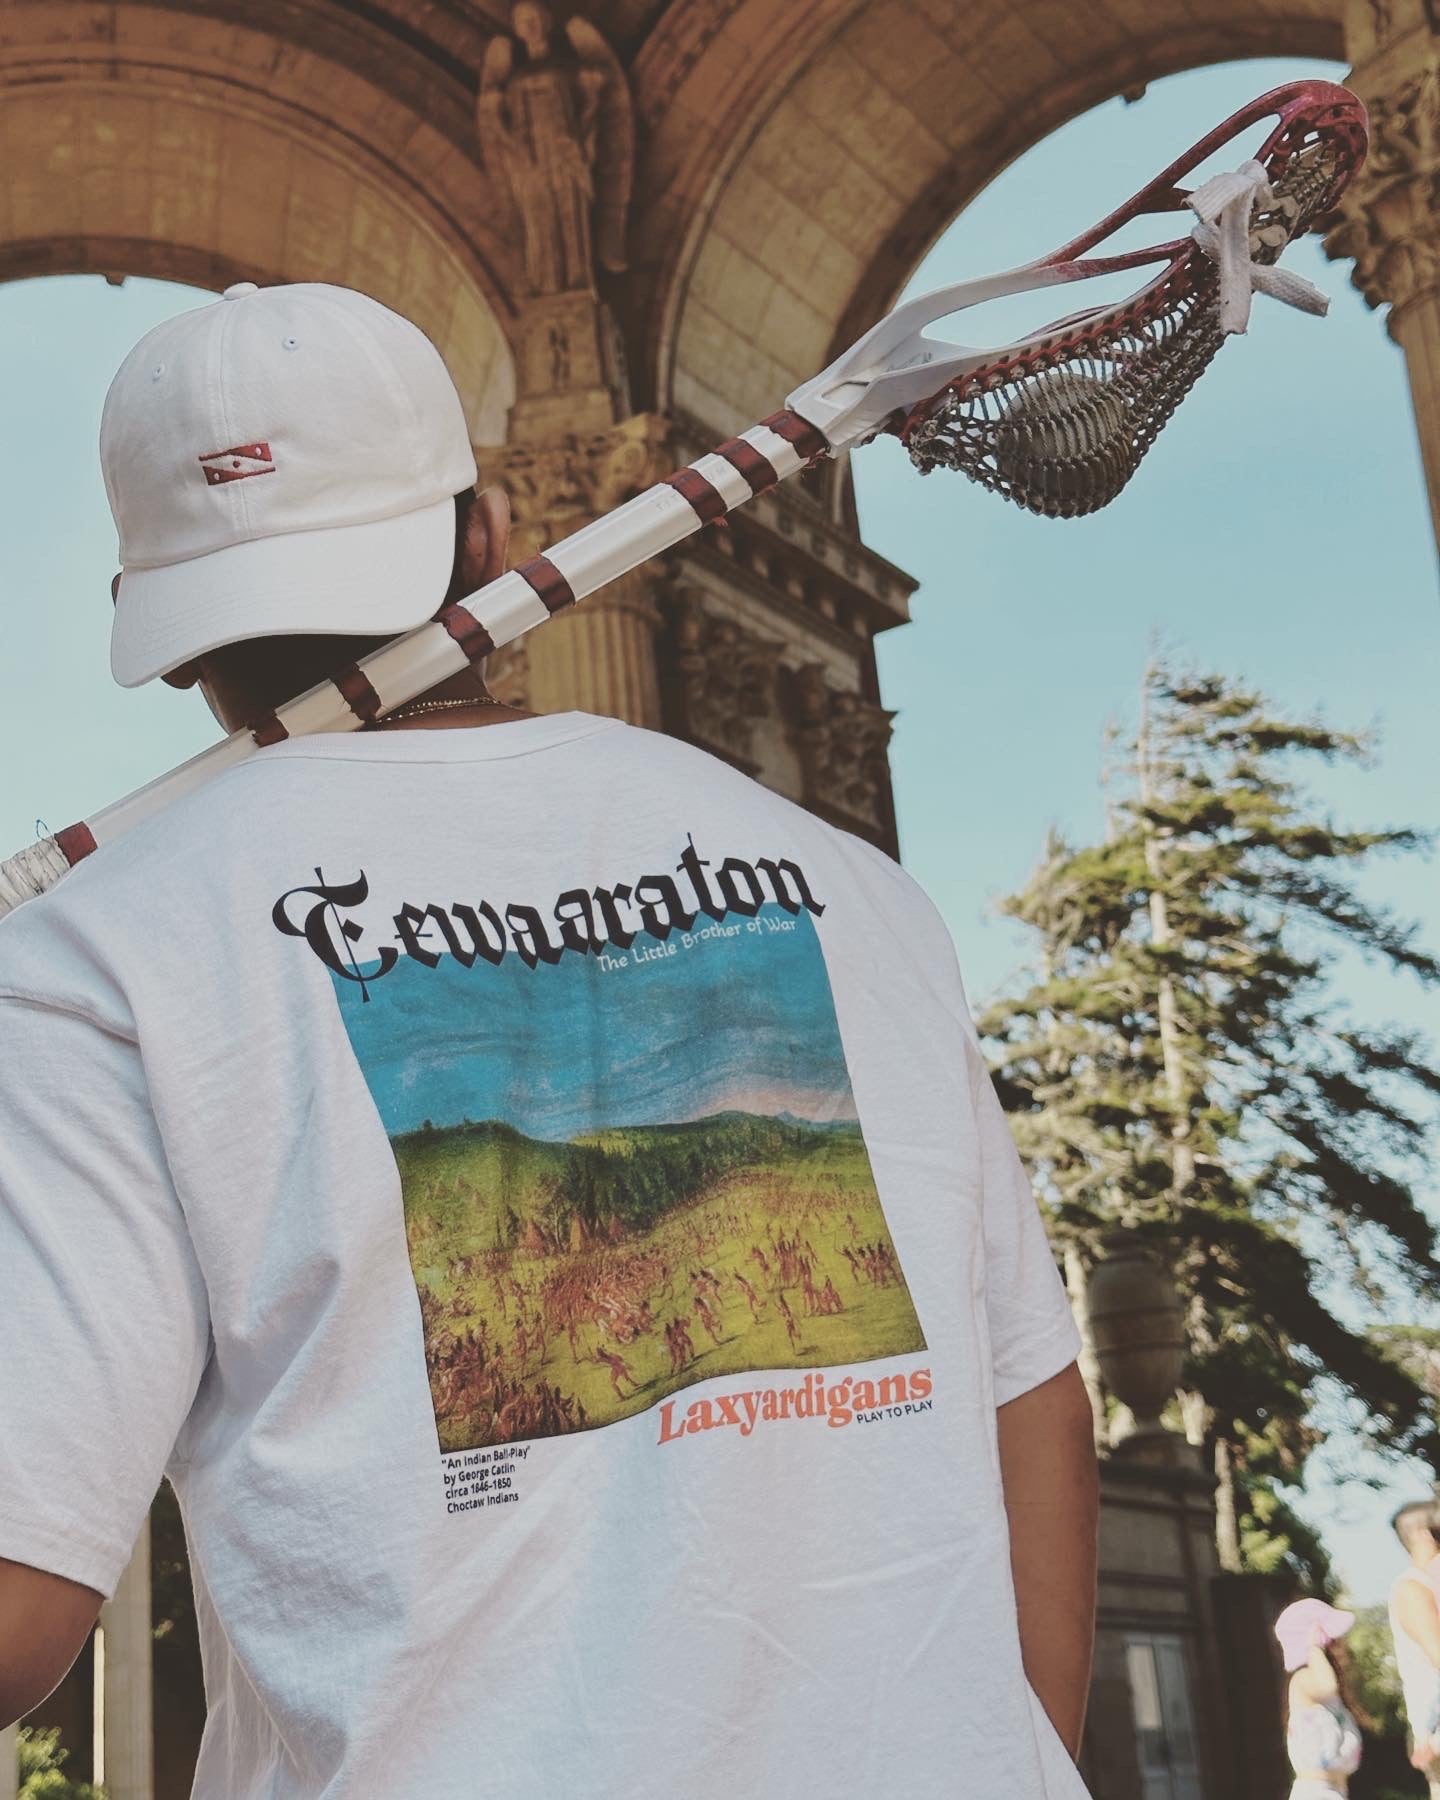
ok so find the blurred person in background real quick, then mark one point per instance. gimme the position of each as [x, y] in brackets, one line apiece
[1321, 1736]
[1415, 1627]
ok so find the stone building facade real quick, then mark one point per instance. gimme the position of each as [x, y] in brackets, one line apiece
[632, 227]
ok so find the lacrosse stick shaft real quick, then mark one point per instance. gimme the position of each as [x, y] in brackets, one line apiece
[674, 508]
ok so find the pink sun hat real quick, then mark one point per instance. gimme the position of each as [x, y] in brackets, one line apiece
[1306, 1623]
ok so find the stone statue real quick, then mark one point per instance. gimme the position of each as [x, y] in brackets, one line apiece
[558, 122]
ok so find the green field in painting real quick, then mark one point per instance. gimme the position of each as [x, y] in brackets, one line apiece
[534, 1261]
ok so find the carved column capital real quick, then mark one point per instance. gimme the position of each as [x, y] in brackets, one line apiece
[600, 655]
[1386, 220]
[559, 483]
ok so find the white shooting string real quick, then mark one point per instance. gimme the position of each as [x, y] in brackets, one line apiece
[1223, 206]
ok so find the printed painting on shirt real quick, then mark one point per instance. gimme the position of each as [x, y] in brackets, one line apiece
[627, 1172]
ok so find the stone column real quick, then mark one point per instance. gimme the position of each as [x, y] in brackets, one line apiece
[555, 120]
[1387, 222]
[9, 1768]
[600, 656]
[125, 1748]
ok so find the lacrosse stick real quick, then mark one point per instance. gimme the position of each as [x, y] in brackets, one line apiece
[1057, 421]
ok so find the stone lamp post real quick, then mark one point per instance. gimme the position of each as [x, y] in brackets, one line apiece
[1138, 1324]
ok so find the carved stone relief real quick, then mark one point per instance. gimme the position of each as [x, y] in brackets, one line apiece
[559, 485]
[843, 739]
[725, 676]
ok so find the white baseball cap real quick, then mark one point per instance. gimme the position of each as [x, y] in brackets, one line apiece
[284, 460]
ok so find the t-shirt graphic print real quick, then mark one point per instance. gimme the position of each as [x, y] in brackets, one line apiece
[630, 1171]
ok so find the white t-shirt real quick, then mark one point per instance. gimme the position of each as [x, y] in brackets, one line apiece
[539, 1198]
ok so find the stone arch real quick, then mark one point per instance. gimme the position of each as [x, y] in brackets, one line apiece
[186, 160]
[879, 140]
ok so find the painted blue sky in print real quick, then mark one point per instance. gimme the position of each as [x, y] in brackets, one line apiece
[734, 1023]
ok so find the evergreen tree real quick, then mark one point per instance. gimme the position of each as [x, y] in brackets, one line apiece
[41, 1761]
[1180, 1066]
[1417, 1349]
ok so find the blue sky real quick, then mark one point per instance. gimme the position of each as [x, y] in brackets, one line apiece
[537, 1047]
[1279, 529]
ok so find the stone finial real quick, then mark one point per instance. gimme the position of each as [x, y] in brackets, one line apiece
[1139, 1331]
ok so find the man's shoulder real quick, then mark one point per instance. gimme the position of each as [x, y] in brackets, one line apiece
[61, 940]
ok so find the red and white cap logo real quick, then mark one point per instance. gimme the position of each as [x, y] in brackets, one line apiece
[236, 463]
[350, 404]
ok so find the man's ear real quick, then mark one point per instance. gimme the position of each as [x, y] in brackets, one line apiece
[185, 676]
[484, 542]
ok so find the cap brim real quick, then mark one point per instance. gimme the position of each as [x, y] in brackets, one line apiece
[370, 580]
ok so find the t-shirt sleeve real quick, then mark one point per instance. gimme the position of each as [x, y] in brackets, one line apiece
[1032, 1330]
[1033, 1334]
[104, 1328]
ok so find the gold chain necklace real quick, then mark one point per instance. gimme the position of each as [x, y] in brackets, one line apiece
[414, 708]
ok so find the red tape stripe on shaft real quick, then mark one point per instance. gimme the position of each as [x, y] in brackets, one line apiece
[704, 497]
[268, 730]
[798, 432]
[355, 690]
[755, 469]
[553, 590]
[75, 843]
[467, 631]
